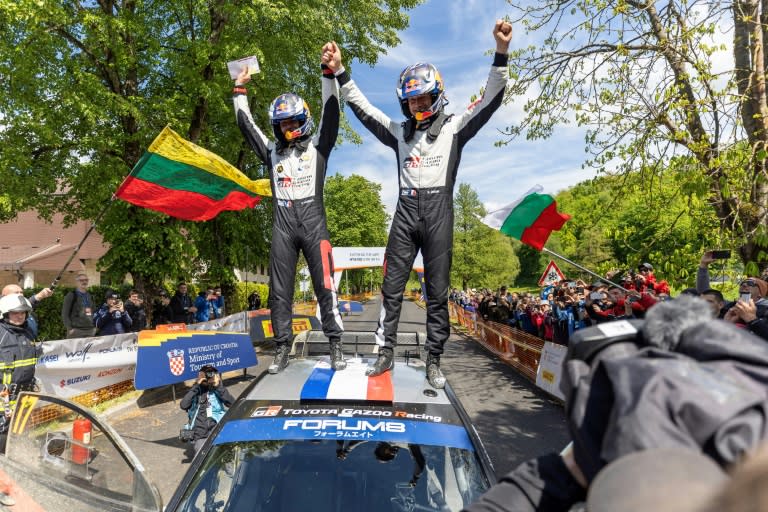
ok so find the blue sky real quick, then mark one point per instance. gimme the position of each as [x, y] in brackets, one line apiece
[455, 36]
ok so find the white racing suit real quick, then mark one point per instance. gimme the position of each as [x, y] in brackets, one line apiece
[427, 164]
[297, 176]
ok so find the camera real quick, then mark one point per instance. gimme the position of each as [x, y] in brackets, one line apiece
[185, 435]
[721, 255]
[209, 375]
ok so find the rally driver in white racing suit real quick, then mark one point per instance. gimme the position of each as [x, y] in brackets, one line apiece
[428, 148]
[297, 164]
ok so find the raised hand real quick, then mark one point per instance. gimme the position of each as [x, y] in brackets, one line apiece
[331, 56]
[502, 33]
[244, 77]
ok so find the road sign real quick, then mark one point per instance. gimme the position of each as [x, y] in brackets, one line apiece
[551, 275]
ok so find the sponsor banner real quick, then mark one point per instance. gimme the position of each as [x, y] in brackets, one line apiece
[261, 325]
[345, 258]
[230, 323]
[72, 367]
[363, 429]
[169, 357]
[550, 369]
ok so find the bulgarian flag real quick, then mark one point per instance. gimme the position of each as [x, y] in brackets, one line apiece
[183, 180]
[530, 219]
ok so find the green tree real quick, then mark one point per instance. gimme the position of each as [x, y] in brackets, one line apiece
[481, 256]
[644, 77]
[356, 218]
[90, 84]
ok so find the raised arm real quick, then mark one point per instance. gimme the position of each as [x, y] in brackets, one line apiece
[328, 130]
[253, 135]
[480, 112]
[378, 123]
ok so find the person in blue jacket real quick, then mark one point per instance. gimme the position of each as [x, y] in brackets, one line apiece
[112, 318]
[204, 306]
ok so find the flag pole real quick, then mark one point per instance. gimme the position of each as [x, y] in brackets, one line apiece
[90, 229]
[82, 241]
[556, 255]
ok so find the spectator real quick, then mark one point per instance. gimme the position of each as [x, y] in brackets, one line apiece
[716, 301]
[254, 301]
[78, 309]
[134, 306]
[161, 310]
[205, 403]
[34, 300]
[751, 310]
[219, 303]
[182, 307]
[644, 279]
[111, 318]
[204, 305]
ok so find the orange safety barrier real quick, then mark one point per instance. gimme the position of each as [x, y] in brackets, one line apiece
[517, 348]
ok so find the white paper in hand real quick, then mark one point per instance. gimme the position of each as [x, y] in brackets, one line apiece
[236, 66]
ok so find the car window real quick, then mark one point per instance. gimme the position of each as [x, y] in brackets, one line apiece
[318, 475]
[81, 462]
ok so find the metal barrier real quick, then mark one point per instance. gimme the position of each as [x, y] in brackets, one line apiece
[517, 348]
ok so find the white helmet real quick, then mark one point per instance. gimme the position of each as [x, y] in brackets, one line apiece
[14, 302]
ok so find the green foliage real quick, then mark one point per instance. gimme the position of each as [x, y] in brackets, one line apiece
[620, 222]
[651, 83]
[481, 256]
[356, 218]
[89, 85]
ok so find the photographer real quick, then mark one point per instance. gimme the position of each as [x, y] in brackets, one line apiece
[205, 403]
[111, 318]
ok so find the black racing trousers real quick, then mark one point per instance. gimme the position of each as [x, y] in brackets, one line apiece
[423, 221]
[311, 237]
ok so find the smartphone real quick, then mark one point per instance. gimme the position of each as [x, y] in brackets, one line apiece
[744, 297]
[721, 255]
[579, 289]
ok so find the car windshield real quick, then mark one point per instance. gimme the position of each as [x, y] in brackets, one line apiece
[334, 475]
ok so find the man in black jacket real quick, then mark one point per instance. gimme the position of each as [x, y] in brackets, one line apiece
[183, 306]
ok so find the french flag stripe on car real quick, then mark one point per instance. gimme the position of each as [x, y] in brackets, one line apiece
[350, 384]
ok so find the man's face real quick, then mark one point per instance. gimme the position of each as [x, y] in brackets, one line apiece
[17, 317]
[82, 282]
[420, 103]
[289, 125]
[750, 286]
[134, 297]
[714, 303]
[183, 289]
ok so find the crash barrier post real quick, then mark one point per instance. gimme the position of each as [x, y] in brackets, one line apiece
[520, 350]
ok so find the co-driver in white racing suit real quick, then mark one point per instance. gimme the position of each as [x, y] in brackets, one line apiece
[428, 148]
[297, 165]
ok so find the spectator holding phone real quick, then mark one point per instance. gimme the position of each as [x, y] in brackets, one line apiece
[751, 310]
[702, 274]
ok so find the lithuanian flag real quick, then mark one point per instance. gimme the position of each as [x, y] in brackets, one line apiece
[530, 219]
[183, 180]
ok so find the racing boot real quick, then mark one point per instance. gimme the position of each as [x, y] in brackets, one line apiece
[385, 362]
[281, 358]
[337, 355]
[434, 375]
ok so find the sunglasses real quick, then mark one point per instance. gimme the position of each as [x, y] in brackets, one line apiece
[750, 282]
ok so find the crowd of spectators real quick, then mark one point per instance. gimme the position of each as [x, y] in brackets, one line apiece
[561, 308]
